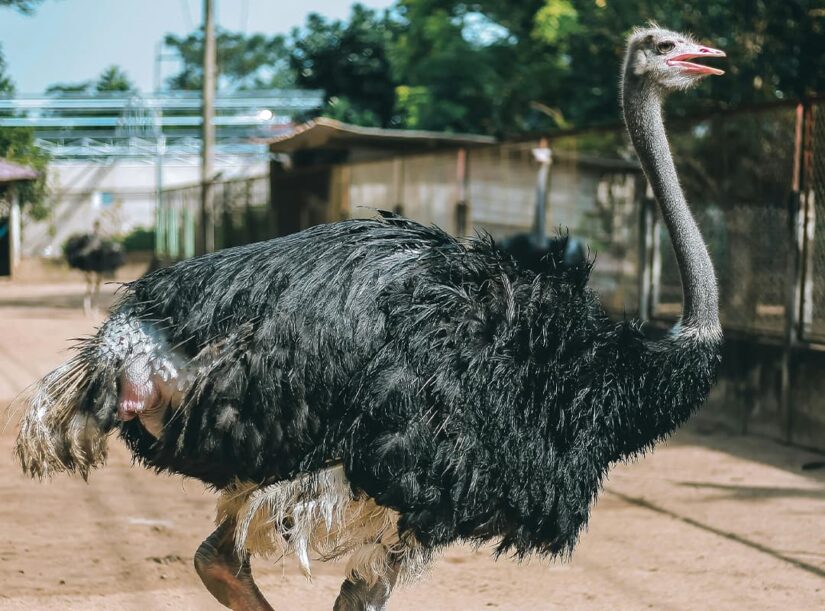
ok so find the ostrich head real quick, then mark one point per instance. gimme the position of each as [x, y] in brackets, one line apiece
[659, 58]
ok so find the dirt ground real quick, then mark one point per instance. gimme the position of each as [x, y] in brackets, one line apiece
[705, 521]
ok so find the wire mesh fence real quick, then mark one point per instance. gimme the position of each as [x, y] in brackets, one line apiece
[814, 174]
[737, 173]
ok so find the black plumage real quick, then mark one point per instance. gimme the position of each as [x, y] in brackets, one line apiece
[477, 398]
[89, 252]
[530, 253]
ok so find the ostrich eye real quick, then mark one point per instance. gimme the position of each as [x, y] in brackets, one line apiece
[666, 46]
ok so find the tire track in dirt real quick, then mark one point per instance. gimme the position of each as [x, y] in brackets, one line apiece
[99, 513]
[9, 362]
[730, 536]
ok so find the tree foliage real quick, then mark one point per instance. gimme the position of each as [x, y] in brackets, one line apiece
[6, 84]
[243, 61]
[17, 144]
[446, 80]
[24, 6]
[349, 61]
[112, 80]
[562, 55]
[513, 66]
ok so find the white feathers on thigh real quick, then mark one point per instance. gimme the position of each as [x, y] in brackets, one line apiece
[317, 516]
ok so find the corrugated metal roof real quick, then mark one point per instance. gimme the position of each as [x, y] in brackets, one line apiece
[12, 172]
[328, 133]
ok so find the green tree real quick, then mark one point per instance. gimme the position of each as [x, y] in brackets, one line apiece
[507, 67]
[17, 144]
[243, 61]
[58, 89]
[463, 68]
[554, 62]
[6, 84]
[349, 61]
[113, 79]
[24, 6]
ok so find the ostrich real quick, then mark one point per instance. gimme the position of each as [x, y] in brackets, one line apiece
[529, 253]
[534, 250]
[96, 257]
[378, 390]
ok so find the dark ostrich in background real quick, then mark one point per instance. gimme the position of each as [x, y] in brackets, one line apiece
[379, 390]
[534, 250]
[97, 257]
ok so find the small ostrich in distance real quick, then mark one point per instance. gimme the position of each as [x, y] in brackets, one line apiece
[377, 390]
[530, 253]
[534, 250]
[96, 257]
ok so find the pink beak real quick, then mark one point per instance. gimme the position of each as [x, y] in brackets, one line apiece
[679, 61]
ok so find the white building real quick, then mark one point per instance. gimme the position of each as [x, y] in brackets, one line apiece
[121, 194]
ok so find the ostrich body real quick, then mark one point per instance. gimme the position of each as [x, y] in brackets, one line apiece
[378, 389]
[538, 255]
[96, 257]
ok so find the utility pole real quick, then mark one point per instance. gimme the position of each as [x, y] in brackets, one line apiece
[208, 139]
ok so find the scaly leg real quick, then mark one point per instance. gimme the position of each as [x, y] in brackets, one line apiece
[87, 297]
[228, 577]
[358, 595]
[96, 295]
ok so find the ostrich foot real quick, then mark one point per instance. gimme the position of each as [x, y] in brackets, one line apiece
[227, 577]
[359, 595]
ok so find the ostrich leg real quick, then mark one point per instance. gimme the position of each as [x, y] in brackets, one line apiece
[87, 297]
[227, 577]
[360, 595]
[96, 295]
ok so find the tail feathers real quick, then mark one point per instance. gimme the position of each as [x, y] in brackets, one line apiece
[56, 433]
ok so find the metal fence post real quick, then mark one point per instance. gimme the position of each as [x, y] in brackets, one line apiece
[398, 185]
[15, 231]
[251, 229]
[461, 207]
[798, 236]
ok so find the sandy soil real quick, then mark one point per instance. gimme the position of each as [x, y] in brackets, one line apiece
[706, 521]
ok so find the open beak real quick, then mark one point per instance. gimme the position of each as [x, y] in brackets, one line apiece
[680, 61]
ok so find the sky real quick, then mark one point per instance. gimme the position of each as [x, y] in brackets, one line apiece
[74, 40]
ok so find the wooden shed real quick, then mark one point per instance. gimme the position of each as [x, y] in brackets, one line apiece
[309, 180]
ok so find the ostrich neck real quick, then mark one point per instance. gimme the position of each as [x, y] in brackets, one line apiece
[643, 116]
[540, 213]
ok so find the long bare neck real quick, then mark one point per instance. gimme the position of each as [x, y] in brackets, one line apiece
[540, 213]
[642, 106]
